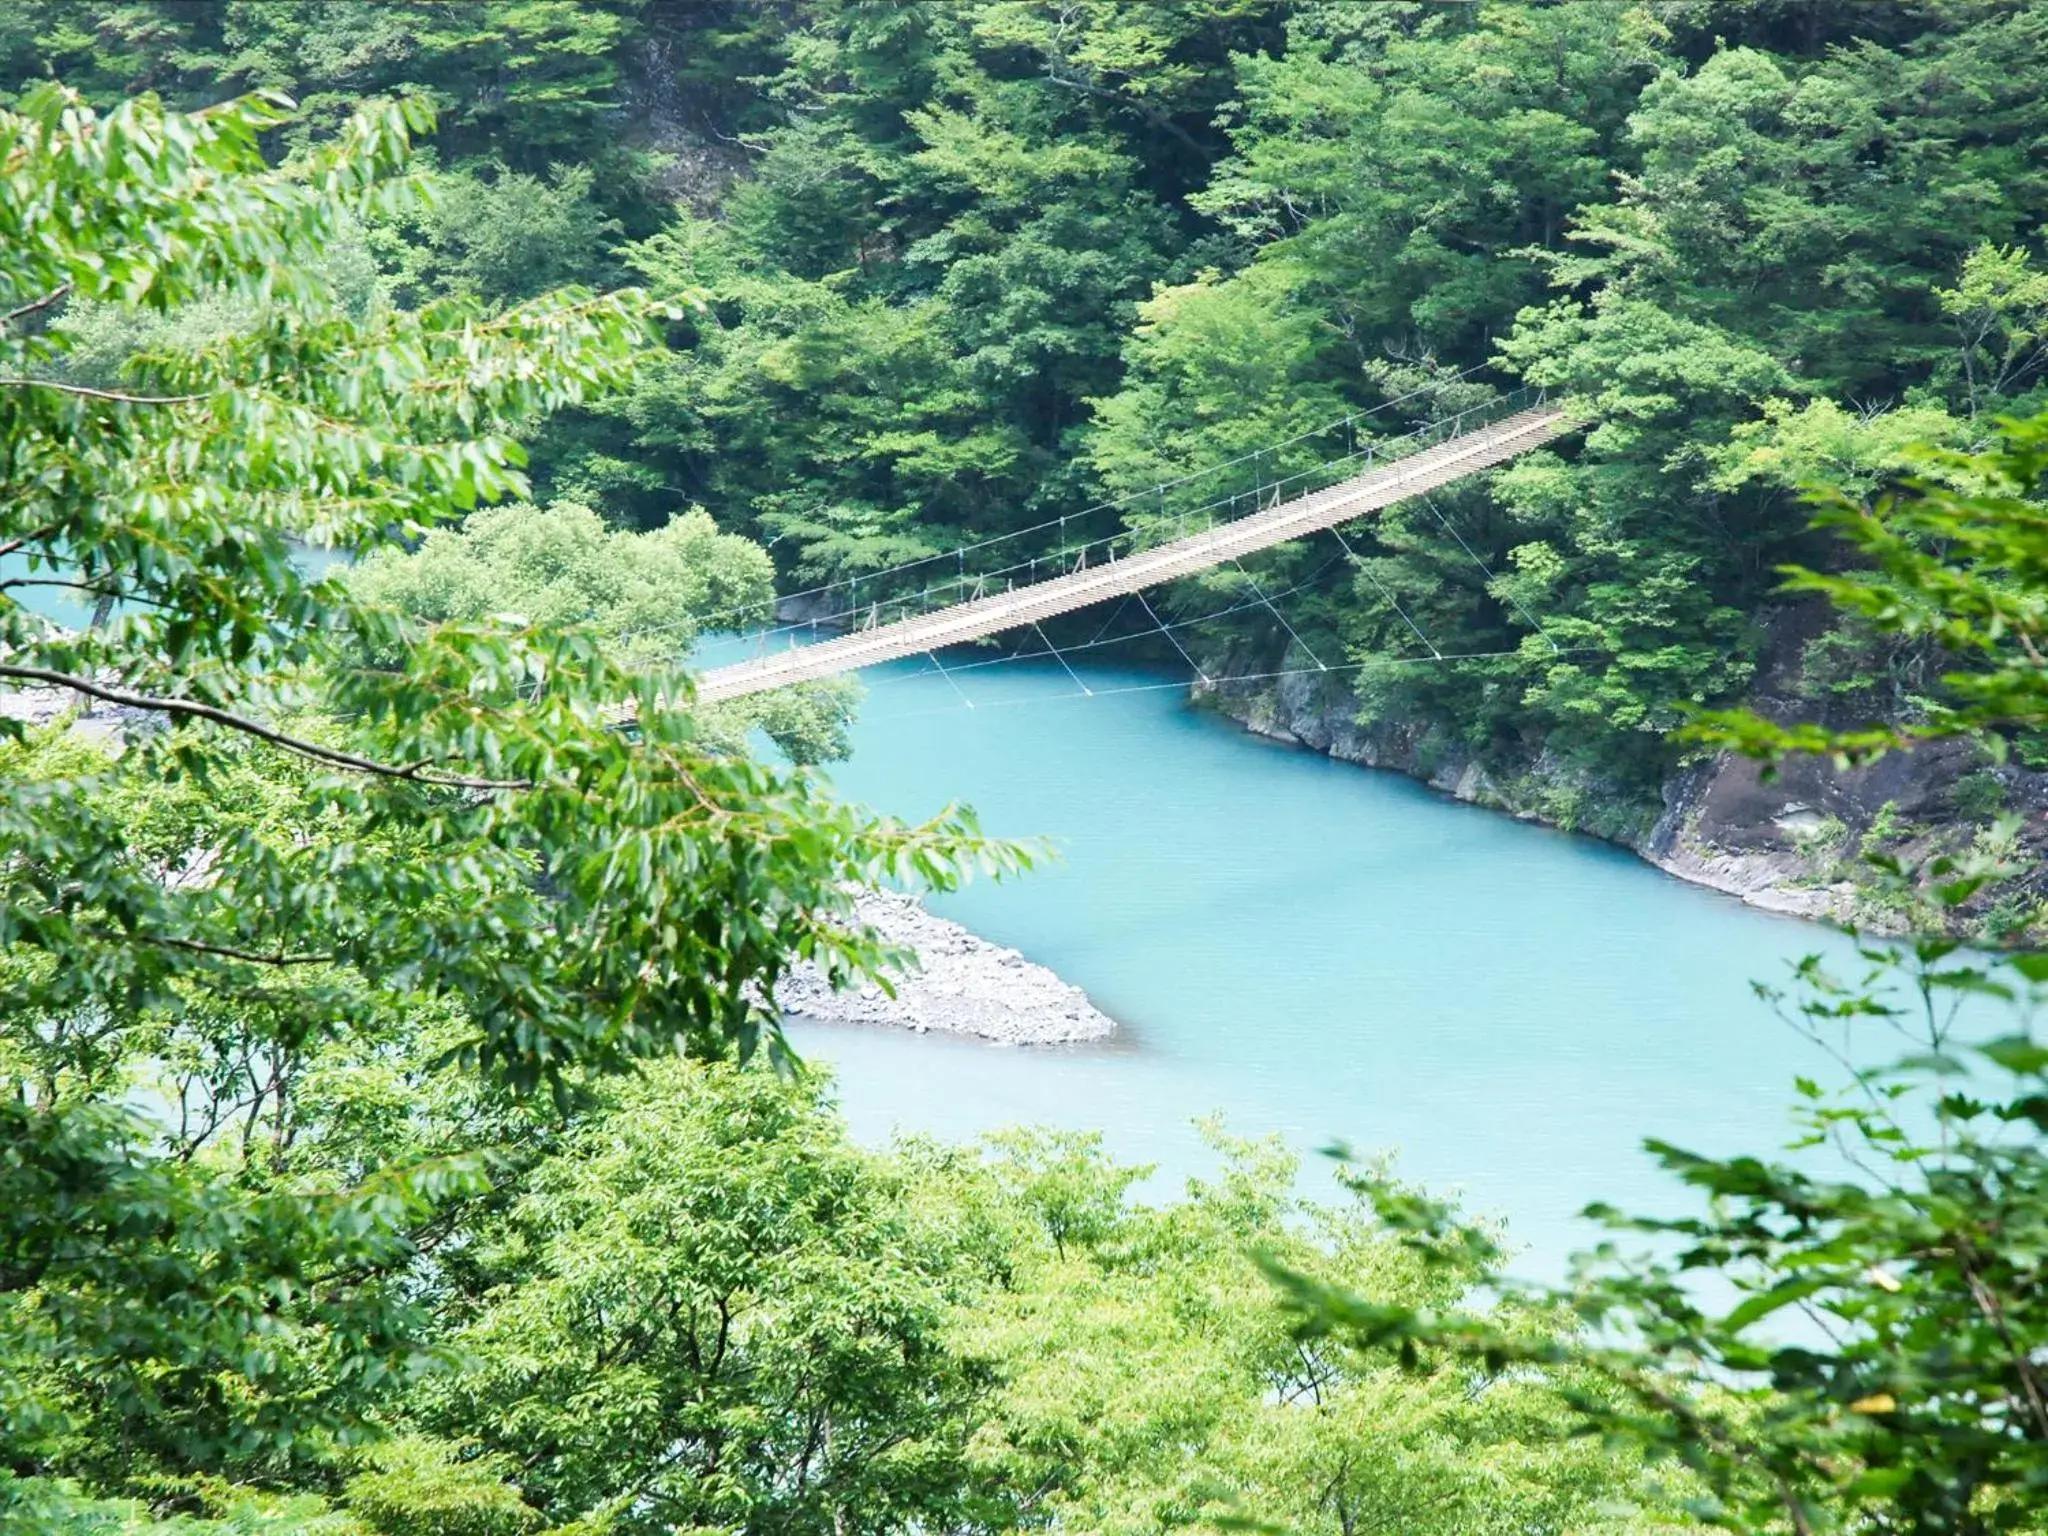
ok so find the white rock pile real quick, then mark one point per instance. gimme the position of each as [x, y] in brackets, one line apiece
[964, 985]
[39, 706]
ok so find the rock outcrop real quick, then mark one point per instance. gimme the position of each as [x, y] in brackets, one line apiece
[40, 706]
[963, 985]
[1785, 844]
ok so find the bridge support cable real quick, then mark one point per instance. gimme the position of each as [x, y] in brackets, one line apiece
[934, 656]
[1110, 623]
[1447, 659]
[1167, 630]
[1291, 632]
[1358, 564]
[1168, 627]
[1485, 569]
[1090, 692]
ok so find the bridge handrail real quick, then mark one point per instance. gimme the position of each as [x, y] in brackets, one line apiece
[884, 607]
[1347, 423]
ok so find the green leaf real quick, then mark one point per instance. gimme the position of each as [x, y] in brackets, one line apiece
[1777, 1297]
[2018, 1054]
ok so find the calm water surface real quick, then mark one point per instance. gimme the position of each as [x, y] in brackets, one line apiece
[1310, 950]
[1317, 951]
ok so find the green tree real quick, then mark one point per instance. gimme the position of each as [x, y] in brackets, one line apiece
[468, 836]
[1902, 1236]
[1148, 1380]
[500, 240]
[708, 1310]
[530, 77]
[927, 273]
[704, 1306]
[2000, 308]
[647, 596]
[562, 567]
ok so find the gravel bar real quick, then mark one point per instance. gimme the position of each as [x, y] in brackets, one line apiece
[963, 985]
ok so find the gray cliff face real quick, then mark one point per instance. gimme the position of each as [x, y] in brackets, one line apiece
[1786, 845]
[1778, 843]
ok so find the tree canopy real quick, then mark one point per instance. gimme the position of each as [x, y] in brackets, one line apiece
[397, 1133]
[327, 830]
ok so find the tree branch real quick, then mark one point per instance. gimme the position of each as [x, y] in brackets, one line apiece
[100, 394]
[224, 951]
[1988, 1304]
[35, 305]
[1151, 114]
[53, 581]
[417, 773]
[36, 537]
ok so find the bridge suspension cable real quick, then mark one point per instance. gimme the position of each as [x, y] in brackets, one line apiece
[1527, 422]
[958, 554]
[1273, 675]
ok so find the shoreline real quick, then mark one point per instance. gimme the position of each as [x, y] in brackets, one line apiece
[1777, 881]
[1786, 845]
[963, 985]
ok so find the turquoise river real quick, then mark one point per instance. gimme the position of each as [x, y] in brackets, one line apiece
[1316, 951]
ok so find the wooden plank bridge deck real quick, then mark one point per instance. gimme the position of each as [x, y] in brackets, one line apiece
[1425, 470]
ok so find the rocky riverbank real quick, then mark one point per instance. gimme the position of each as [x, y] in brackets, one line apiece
[1792, 844]
[963, 985]
[39, 706]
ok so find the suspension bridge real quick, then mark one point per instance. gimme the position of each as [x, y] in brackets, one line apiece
[1434, 456]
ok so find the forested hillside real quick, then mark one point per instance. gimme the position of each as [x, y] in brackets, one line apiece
[397, 1133]
[968, 267]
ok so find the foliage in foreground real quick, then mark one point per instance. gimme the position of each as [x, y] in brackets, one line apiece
[1850, 1337]
[703, 1308]
[327, 832]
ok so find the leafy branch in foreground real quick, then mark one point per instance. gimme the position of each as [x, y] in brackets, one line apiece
[1847, 1339]
[329, 827]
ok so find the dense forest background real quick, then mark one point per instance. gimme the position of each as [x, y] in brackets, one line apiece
[969, 267]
